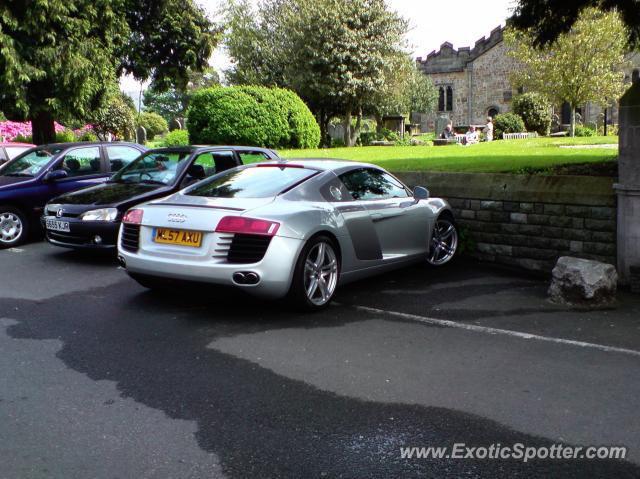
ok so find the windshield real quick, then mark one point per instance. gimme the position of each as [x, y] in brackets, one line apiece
[13, 151]
[30, 163]
[153, 168]
[257, 182]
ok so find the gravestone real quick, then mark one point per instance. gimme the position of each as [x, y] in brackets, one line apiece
[628, 189]
[441, 124]
[394, 123]
[141, 135]
[175, 124]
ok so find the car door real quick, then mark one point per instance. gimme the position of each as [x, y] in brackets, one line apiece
[83, 166]
[400, 222]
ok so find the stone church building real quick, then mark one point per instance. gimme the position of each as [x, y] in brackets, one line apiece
[474, 83]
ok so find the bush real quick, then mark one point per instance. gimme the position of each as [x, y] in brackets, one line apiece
[251, 115]
[65, 136]
[508, 123]
[585, 131]
[115, 117]
[535, 111]
[176, 138]
[87, 135]
[153, 123]
[23, 139]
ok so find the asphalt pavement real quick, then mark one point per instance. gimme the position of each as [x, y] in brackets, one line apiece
[101, 378]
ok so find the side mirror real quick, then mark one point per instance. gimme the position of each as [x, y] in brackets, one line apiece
[55, 175]
[420, 193]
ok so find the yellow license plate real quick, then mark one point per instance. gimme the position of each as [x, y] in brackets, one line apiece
[179, 237]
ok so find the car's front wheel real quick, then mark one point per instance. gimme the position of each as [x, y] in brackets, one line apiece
[316, 274]
[14, 227]
[444, 241]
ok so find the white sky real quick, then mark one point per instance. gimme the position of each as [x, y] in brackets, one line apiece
[432, 22]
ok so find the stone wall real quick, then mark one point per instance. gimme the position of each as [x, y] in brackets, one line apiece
[529, 220]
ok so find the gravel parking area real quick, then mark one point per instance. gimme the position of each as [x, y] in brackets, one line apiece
[101, 378]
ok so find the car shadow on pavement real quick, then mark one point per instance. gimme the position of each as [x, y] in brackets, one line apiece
[259, 423]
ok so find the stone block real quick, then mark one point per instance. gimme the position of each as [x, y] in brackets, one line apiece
[511, 206]
[554, 209]
[561, 221]
[534, 230]
[519, 218]
[494, 249]
[578, 211]
[552, 232]
[603, 236]
[538, 208]
[458, 203]
[603, 213]
[600, 225]
[491, 205]
[583, 282]
[603, 249]
[483, 215]
[534, 253]
[634, 279]
[500, 216]
[474, 204]
[577, 223]
[509, 228]
[527, 207]
[467, 214]
[576, 234]
[537, 219]
[576, 247]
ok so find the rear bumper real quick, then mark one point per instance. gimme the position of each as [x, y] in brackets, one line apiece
[275, 270]
[82, 234]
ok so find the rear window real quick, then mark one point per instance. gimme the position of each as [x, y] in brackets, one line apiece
[258, 182]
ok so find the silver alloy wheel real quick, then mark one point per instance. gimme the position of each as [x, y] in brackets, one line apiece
[10, 227]
[444, 242]
[320, 273]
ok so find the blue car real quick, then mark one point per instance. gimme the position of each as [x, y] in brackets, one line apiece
[30, 180]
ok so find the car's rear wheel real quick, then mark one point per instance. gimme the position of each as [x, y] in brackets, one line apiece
[316, 274]
[444, 241]
[14, 227]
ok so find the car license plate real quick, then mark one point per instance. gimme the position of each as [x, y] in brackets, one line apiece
[57, 225]
[178, 237]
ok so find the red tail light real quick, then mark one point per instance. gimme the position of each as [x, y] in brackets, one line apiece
[240, 224]
[133, 217]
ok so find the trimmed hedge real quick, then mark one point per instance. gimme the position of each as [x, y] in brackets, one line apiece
[176, 138]
[535, 111]
[251, 115]
[508, 123]
[153, 123]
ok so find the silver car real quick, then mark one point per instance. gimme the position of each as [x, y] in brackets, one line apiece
[288, 228]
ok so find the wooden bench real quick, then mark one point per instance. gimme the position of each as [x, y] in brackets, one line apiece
[519, 136]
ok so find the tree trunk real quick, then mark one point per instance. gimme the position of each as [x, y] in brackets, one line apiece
[356, 132]
[42, 128]
[572, 128]
[323, 121]
[346, 124]
[379, 124]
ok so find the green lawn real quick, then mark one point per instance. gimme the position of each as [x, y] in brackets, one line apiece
[497, 156]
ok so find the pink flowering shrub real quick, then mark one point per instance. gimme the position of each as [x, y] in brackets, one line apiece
[11, 129]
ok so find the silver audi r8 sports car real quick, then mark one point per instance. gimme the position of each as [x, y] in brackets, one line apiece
[287, 228]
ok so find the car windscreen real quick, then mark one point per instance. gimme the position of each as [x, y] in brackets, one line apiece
[30, 163]
[256, 182]
[152, 168]
[14, 151]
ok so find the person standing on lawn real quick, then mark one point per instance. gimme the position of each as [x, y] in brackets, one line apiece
[488, 130]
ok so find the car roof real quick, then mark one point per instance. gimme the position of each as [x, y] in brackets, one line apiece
[89, 143]
[324, 164]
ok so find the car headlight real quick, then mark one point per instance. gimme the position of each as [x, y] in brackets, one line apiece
[104, 214]
[51, 209]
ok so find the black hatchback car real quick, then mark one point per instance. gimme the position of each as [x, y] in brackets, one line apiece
[90, 218]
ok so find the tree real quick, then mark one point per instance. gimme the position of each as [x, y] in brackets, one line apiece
[61, 58]
[115, 118]
[406, 89]
[153, 123]
[583, 65]
[546, 20]
[535, 111]
[173, 102]
[334, 54]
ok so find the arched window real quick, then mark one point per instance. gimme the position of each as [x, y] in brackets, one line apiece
[441, 99]
[449, 98]
[493, 112]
